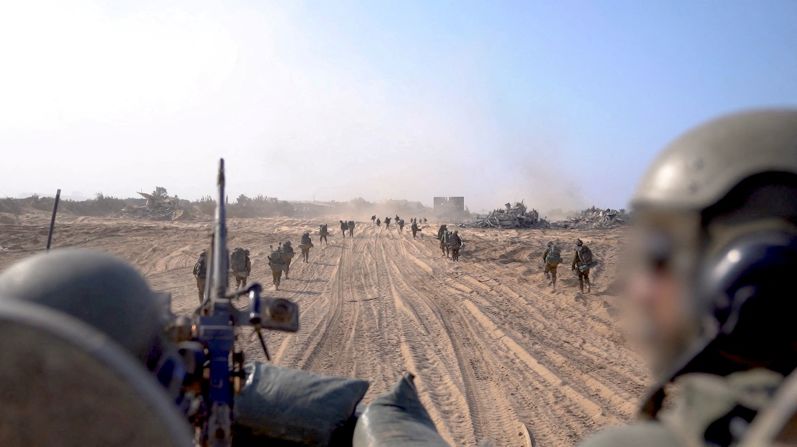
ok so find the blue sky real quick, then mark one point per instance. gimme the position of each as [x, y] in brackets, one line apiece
[561, 103]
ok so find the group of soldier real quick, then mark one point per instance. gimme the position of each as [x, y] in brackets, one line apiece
[450, 242]
[581, 265]
[709, 280]
[279, 261]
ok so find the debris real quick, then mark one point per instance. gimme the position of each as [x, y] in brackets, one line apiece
[594, 218]
[511, 216]
[159, 206]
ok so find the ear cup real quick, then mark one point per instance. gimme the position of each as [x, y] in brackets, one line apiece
[749, 290]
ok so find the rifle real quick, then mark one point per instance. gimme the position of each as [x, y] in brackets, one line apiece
[216, 363]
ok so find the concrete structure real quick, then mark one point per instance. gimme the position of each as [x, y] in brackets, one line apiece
[449, 204]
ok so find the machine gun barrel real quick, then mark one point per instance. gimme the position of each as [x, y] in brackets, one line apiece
[220, 258]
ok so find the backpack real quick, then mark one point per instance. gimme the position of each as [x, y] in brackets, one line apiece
[324, 230]
[275, 258]
[585, 255]
[554, 256]
[238, 260]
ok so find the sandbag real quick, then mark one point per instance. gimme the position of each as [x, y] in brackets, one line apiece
[397, 419]
[292, 405]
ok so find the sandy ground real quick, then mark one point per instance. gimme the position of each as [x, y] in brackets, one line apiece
[490, 343]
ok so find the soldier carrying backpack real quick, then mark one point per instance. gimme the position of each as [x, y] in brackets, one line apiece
[323, 233]
[306, 245]
[582, 263]
[200, 273]
[287, 256]
[277, 265]
[552, 258]
[241, 266]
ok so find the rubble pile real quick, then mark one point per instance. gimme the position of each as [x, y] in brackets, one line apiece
[511, 216]
[158, 206]
[594, 218]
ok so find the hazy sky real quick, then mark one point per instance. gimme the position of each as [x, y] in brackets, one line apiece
[555, 102]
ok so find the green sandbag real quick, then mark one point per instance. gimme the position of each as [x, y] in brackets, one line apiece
[294, 406]
[397, 419]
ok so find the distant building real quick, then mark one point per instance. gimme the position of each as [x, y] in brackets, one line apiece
[449, 204]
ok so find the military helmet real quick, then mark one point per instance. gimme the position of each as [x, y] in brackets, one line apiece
[719, 206]
[99, 289]
[699, 168]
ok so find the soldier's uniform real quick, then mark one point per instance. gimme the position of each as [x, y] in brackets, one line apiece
[241, 272]
[442, 235]
[323, 233]
[287, 256]
[455, 243]
[200, 273]
[581, 265]
[551, 263]
[306, 244]
[414, 228]
[277, 266]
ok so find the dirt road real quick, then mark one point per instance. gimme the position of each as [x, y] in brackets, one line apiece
[490, 343]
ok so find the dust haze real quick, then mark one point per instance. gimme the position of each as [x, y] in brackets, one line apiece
[121, 99]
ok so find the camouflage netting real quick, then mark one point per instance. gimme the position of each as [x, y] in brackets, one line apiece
[511, 216]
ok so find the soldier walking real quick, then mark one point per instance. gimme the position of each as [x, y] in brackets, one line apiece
[287, 256]
[241, 266]
[343, 227]
[582, 263]
[442, 235]
[455, 244]
[350, 225]
[200, 273]
[277, 265]
[414, 228]
[306, 245]
[323, 233]
[551, 259]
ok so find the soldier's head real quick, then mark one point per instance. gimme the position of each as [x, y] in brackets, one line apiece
[715, 246]
[579, 243]
[550, 243]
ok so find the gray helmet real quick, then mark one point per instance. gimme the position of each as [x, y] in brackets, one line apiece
[99, 289]
[719, 208]
[703, 165]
